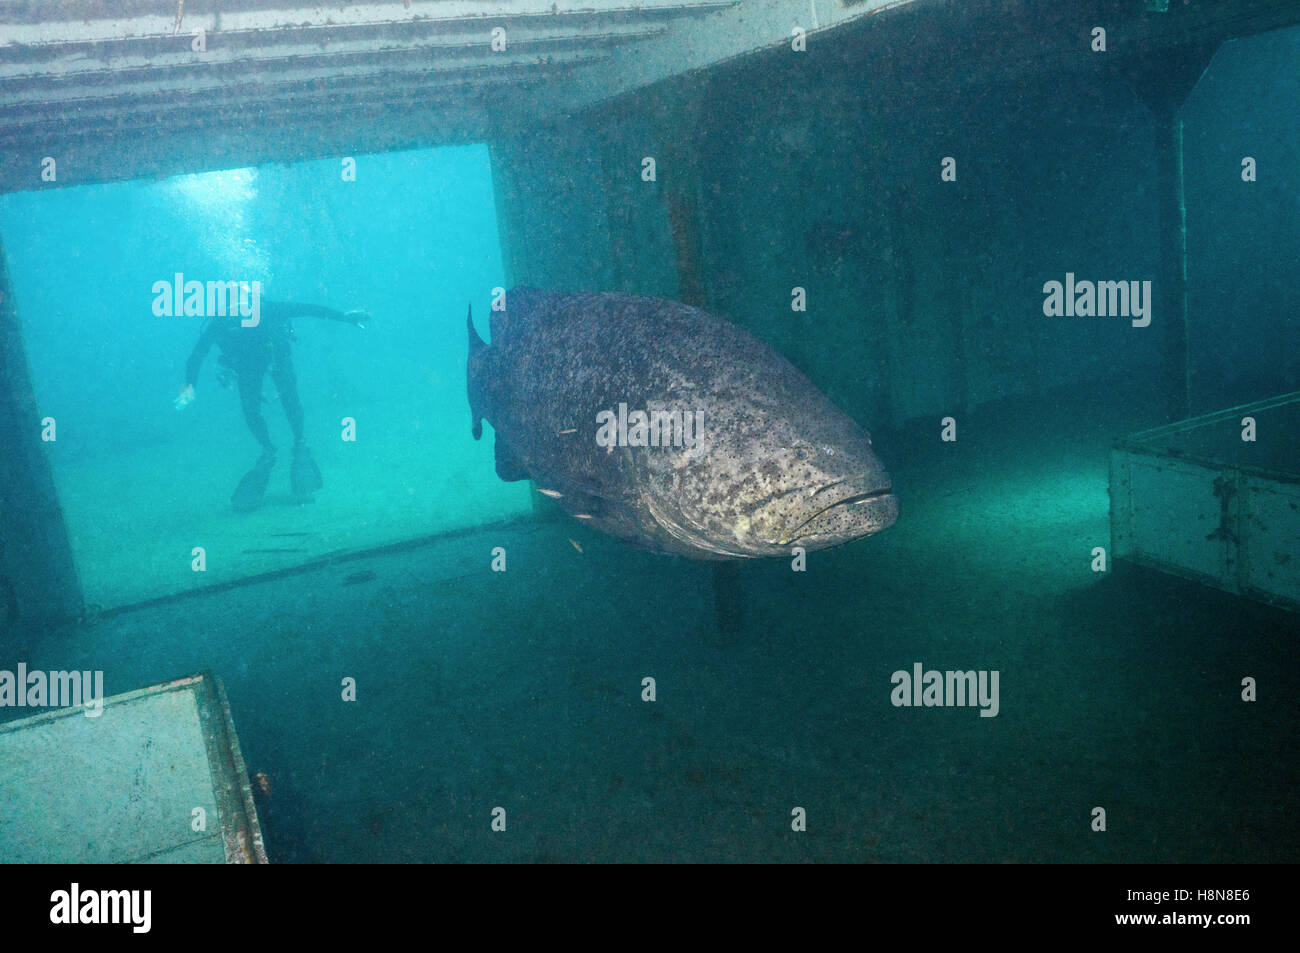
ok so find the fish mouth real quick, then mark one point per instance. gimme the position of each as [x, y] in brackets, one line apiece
[849, 517]
[862, 498]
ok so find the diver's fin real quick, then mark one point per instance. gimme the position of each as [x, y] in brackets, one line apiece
[509, 467]
[248, 495]
[304, 475]
[473, 370]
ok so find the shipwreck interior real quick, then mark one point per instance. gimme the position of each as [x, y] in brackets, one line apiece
[918, 169]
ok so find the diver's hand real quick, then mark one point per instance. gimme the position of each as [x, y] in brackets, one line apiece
[358, 317]
[184, 398]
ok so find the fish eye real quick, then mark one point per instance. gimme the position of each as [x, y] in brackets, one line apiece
[800, 454]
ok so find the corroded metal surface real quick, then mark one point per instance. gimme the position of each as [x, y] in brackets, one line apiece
[156, 777]
[127, 89]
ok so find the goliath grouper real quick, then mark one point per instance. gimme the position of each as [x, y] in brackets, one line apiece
[670, 428]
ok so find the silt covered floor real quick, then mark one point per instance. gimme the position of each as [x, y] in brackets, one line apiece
[522, 689]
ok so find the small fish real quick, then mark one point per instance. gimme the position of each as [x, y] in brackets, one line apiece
[575, 545]
[583, 516]
[356, 578]
[553, 494]
[561, 433]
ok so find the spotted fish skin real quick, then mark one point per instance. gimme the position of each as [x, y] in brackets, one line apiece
[775, 464]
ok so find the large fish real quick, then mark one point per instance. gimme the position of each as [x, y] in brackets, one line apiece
[671, 428]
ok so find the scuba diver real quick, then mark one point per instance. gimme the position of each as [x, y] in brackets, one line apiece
[247, 353]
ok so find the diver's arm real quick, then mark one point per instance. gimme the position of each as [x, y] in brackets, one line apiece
[195, 362]
[282, 310]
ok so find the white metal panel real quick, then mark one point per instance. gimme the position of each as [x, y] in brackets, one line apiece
[1196, 499]
[1270, 539]
[1121, 505]
[125, 786]
[1174, 514]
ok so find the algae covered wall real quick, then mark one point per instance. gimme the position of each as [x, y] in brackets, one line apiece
[823, 170]
[576, 213]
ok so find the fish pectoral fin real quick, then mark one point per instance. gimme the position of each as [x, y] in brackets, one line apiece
[509, 467]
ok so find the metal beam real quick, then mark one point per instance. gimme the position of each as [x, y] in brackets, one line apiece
[255, 88]
[37, 571]
[43, 26]
[99, 70]
[72, 71]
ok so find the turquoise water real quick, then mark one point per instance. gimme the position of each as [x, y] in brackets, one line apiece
[135, 475]
[83, 262]
[524, 689]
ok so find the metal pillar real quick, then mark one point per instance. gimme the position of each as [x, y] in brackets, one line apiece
[1172, 298]
[38, 577]
[1163, 81]
[681, 195]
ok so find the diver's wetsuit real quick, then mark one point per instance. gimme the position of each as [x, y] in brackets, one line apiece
[251, 352]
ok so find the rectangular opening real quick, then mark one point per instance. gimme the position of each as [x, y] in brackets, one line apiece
[145, 486]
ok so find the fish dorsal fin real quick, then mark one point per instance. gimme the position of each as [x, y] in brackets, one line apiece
[525, 308]
[476, 343]
[473, 376]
